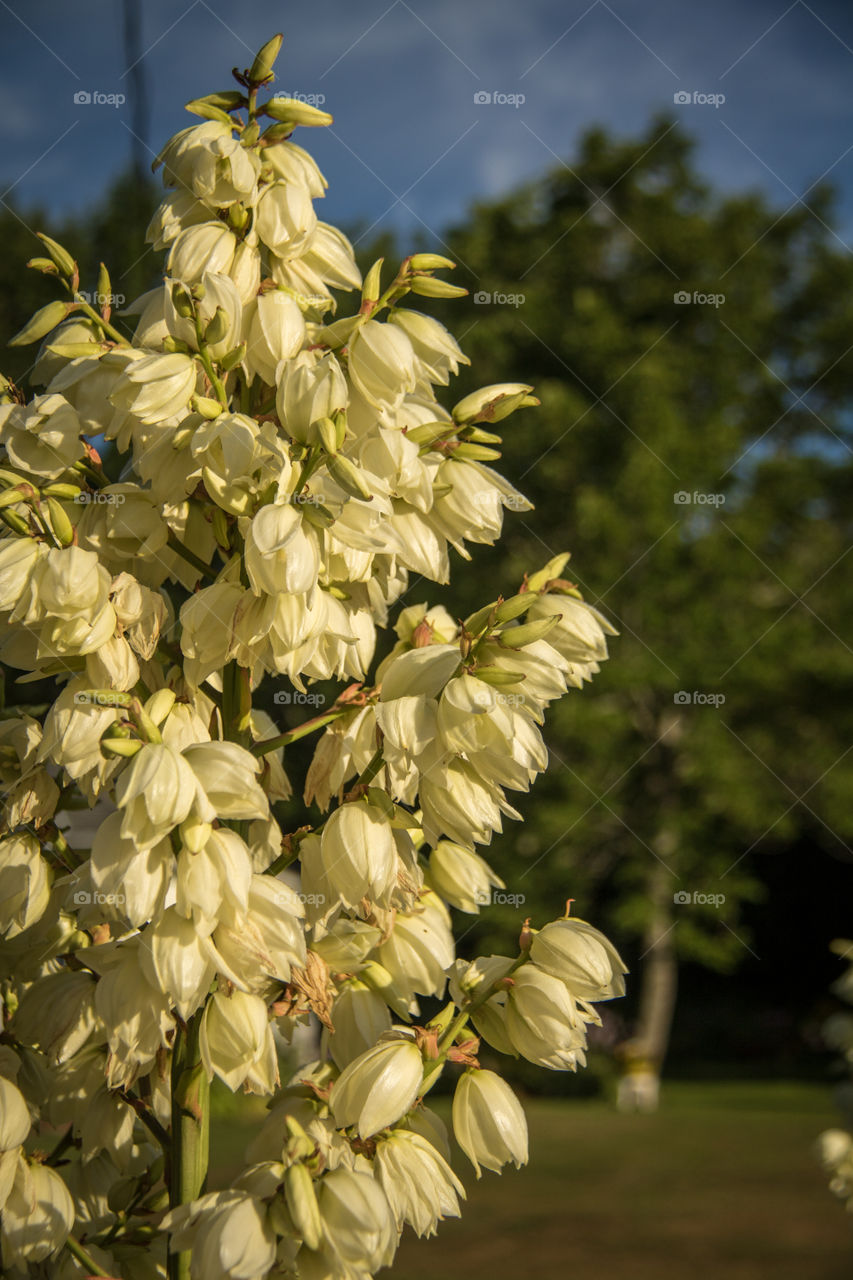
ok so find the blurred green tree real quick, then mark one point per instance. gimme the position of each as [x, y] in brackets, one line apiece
[693, 355]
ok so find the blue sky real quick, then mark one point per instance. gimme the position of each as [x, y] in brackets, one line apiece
[411, 146]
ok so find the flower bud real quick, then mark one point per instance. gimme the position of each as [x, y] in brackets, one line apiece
[543, 1021]
[14, 1116]
[310, 389]
[207, 247]
[430, 262]
[302, 1202]
[421, 1187]
[580, 956]
[155, 792]
[359, 1018]
[155, 387]
[358, 1224]
[276, 333]
[492, 404]
[37, 1217]
[461, 877]
[24, 884]
[488, 1122]
[261, 69]
[381, 363]
[358, 854]
[45, 319]
[60, 256]
[227, 1233]
[430, 287]
[18, 557]
[295, 111]
[378, 1087]
[236, 1042]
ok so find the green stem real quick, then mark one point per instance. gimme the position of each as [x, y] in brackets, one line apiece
[190, 1144]
[175, 544]
[282, 862]
[236, 703]
[266, 745]
[215, 380]
[64, 1144]
[462, 1017]
[99, 320]
[74, 1247]
[374, 766]
[147, 1116]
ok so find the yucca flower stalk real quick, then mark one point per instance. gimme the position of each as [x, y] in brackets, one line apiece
[285, 470]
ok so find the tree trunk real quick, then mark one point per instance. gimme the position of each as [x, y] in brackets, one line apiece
[658, 985]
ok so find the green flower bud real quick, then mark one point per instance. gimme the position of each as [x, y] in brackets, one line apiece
[238, 216]
[14, 521]
[553, 569]
[61, 525]
[514, 607]
[327, 434]
[232, 358]
[45, 319]
[302, 1203]
[348, 477]
[428, 432]
[495, 677]
[217, 327]
[208, 408]
[47, 265]
[491, 404]
[159, 705]
[227, 100]
[60, 256]
[294, 111]
[372, 282]
[476, 452]
[528, 632]
[261, 69]
[430, 262]
[70, 492]
[208, 110]
[120, 746]
[429, 287]
[182, 302]
[105, 288]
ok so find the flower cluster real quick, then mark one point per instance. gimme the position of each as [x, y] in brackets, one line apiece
[273, 478]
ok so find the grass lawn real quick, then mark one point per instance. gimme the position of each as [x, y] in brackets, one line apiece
[721, 1184]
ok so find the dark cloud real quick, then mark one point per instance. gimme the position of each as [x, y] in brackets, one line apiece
[411, 146]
